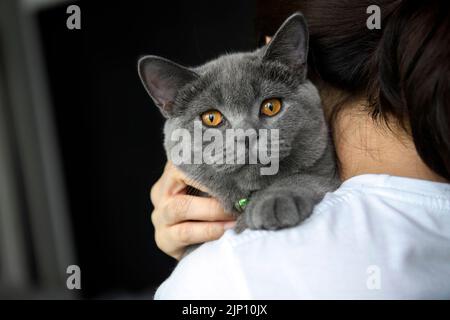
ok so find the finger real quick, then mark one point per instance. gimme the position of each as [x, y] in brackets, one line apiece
[181, 178]
[162, 187]
[172, 181]
[154, 217]
[184, 207]
[168, 246]
[155, 193]
[188, 233]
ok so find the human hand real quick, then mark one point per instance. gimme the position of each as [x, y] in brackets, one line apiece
[180, 219]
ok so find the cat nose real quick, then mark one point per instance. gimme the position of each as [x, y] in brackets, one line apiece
[246, 125]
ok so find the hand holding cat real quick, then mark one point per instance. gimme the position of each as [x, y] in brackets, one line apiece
[181, 220]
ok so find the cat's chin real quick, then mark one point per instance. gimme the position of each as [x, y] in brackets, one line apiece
[243, 170]
[228, 168]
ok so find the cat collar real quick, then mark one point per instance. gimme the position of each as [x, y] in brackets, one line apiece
[241, 204]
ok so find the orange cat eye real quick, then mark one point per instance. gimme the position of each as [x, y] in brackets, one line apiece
[271, 107]
[212, 118]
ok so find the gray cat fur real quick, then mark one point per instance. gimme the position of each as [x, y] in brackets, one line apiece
[236, 84]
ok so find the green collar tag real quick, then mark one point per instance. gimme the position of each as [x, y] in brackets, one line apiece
[241, 204]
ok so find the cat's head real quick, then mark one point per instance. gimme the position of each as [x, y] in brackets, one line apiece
[262, 90]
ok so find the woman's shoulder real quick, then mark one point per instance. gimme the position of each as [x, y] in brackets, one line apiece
[371, 226]
[362, 205]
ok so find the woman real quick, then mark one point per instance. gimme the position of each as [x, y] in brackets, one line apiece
[385, 233]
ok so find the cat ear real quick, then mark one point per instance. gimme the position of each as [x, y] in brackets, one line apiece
[163, 79]
[289, 45]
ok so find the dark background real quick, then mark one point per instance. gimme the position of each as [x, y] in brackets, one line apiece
[109, 131]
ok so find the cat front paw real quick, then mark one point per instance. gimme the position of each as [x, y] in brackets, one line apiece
[277, 209]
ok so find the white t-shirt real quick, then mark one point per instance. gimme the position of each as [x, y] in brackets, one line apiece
[377, 236]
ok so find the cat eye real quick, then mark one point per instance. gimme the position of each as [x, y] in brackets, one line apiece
[271, 107]
[212, 118]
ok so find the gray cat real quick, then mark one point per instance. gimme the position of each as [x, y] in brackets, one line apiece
[264, 89]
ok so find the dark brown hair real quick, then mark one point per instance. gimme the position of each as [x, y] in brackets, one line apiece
[403, 69]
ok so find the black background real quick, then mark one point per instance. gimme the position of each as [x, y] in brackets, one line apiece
[110, 132]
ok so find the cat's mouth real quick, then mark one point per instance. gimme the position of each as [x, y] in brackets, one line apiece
[229, 168]
[237, 168]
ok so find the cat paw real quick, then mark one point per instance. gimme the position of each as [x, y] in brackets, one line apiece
[277, 210]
